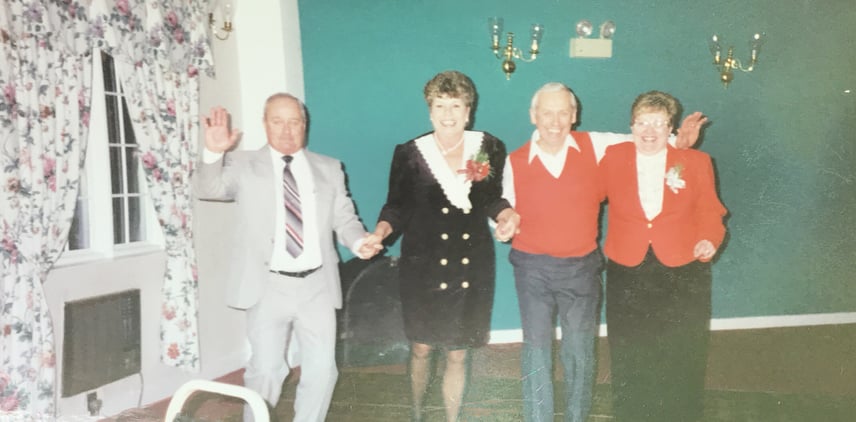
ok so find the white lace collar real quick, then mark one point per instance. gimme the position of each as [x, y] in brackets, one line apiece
[455, 186]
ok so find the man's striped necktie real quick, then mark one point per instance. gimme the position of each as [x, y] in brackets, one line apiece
[293, 214]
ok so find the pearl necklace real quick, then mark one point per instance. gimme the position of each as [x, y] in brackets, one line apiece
[447, 151]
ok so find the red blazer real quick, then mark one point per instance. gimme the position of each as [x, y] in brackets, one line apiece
[692, 214]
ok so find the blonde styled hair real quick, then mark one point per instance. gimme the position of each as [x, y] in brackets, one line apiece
[453, 84]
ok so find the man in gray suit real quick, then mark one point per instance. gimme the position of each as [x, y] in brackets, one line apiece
[290, 202]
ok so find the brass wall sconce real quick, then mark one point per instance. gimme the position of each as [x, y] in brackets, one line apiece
[728, 64]
[509, 53]
[585, 47]
[224, 9]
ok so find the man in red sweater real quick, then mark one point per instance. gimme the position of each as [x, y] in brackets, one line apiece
[551, 182]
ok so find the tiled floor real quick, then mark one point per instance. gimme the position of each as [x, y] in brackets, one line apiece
[777, 375]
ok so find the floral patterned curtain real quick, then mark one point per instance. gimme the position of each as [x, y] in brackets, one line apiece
[159, 48]
[45, 74]
[164, 109]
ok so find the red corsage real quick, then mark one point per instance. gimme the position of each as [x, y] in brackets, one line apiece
[478, 167]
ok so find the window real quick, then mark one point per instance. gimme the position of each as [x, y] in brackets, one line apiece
[125, 172]
[78, 236]
[112, 187]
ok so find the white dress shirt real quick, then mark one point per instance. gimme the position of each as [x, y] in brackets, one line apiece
[281, 260]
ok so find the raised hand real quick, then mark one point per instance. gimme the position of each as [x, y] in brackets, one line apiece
[689, 130]
[219, 137]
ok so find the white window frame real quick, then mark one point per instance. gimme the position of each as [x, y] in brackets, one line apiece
[98, 189]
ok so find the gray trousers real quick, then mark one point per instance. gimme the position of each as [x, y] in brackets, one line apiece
[301, 306]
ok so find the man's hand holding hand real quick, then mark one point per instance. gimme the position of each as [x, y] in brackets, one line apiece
[507, 225]
[371, 246]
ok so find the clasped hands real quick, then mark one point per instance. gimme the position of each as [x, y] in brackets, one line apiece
[507, 225]
[372, 245]
[373, 242]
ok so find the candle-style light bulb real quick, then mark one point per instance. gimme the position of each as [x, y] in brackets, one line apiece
[755, 43]
[494, 26]
[536, 33]
[715, 49]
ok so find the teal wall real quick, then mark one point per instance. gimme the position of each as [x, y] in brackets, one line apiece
[782, 138]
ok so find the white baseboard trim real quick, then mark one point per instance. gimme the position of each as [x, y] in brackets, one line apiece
[717, 324]
[781, 321]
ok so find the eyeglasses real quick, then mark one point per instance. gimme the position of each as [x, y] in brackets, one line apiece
[653, 124]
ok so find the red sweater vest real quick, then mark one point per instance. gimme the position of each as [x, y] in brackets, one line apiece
[558, 217]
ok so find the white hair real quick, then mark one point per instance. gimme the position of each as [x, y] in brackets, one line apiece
[553, 87]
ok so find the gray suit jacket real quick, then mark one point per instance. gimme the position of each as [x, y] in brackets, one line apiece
[246, 177]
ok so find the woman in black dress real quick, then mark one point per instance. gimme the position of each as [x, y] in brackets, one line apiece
[443, 188]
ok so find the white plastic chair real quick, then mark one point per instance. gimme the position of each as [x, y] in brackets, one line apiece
[253, 399]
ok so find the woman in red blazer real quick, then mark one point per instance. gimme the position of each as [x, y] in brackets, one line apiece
[664, 227]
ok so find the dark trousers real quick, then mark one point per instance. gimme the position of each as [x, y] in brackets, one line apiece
[568, 289]
[658, 321]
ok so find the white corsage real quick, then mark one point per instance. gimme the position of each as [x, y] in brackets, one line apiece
[673, 178]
